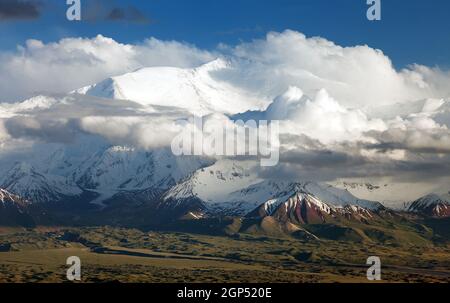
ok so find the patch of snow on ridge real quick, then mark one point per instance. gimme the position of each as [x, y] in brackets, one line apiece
[8, 110]
[6, 196]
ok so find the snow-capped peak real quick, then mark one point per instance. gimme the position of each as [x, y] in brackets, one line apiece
[215, 65]
[35, 103]
[229, 185]
[286, 103]
[431, 205]
[197, 90]
[305, 208]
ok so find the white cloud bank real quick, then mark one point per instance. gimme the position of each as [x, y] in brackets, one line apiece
[321, 118]
[356, 76]
[330, 130]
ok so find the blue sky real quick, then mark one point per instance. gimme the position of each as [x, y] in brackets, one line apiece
[411, 31]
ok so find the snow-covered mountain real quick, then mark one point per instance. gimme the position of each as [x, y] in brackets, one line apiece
[35, 103]
[431, 205]
[393, 195]
[197, 90]
[34, 186]
[107, 172]
[123, 168]
[305, 208]
[215, 185]
[271, 193]
[120, 170]
[233, 187]
[84, 156]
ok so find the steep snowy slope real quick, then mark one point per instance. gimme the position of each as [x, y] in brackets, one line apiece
[393, 195]
[305, 208]
[38, 187]
[119, 169]
[234, 187]
[213, 185]
[196, 90]
[37, 102]
[107, 172]
[432, 205]
[274, 192]
[8, 110]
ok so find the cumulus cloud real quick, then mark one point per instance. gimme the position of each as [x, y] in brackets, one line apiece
[342, 166]
[55, 130]
[432, 81]
[357, 76]
[67, 117]
[320, 92]
[322, 118]
[141, 132]
[419, 134]
[314, 145]
[4, 135]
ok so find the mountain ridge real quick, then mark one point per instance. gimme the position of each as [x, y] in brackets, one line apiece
[110, 173]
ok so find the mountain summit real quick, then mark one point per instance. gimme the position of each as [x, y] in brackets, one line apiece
[431, 205]
[199, 90]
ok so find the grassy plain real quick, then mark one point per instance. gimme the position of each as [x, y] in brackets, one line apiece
[131, 255]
